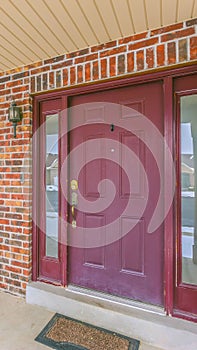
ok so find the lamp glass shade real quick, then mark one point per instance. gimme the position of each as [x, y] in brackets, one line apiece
[14, 113]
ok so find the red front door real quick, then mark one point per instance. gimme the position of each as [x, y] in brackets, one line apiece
[110, 247]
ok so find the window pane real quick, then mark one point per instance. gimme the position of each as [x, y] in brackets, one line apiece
[189, 188]
[52, 186]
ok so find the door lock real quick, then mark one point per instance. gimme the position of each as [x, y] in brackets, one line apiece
[74, 198]
[74, 185]
[74, 224]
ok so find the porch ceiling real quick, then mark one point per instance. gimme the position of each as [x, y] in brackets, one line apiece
[32, 30]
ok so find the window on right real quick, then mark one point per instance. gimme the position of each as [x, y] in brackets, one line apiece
[188, 165]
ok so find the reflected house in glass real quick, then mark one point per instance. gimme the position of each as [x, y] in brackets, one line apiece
[51, 170]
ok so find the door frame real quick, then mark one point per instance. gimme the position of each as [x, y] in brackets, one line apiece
[184, 291]
[169, 133]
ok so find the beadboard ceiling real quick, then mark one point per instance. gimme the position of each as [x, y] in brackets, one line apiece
[32, 30]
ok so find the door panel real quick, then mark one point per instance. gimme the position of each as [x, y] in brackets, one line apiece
[132, 265]
[133, 142]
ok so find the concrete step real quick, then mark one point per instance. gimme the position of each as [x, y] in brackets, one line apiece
[149, 324]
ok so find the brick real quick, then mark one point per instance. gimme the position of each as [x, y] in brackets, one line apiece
[15, 70]
[160, 55]
[191, 22]
[166, 29]
[19, 250]
[182, 50]
[33, 65]
[87, 72]
[4, 273]
[13, 269]
[95, 70]
[13, 216]
[114, 51]
[91, 57]
[44, 81]
[63, 64]
[103, 46]
[2, 99]
[140, 60]
[130, 62]
[58, 79]
[23, 264]
[4, 209]
[4, 79]
[143, 43]
[17, 291]
[178, 34]
[14, 162]
[121, 64]
[65, 77]
[4, 247]
[40, 70]
[26, 272]
[77, 53]
[112, 65]
[20, 88]
[171, 53]
[54, 59]
[134, 37]
[68, 63]
[33, 85]
[5, 92]
[51, 79]
[14, 83]
[12, 282]
[103, 64]
[38, 83]
[193, 48]
[150, 57]
[79, 74]
[20, 75]
[72, 76]
[13, 243]
[97, 48]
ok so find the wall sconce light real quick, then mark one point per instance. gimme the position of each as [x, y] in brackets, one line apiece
[14, 115]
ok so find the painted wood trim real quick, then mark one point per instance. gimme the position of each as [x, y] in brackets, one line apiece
[168, 224]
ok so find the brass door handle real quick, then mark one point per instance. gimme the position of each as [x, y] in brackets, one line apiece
[73, 211]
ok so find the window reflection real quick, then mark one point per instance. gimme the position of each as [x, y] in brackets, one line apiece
[52, 186]
[188, 188]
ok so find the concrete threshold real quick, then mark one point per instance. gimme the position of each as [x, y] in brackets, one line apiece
[147, 323]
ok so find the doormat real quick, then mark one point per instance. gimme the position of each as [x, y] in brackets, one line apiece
[65, 333]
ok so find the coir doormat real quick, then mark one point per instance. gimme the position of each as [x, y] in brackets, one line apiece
[65, 333]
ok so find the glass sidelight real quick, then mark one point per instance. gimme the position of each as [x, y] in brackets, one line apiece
[188, 165]
[51, 181]
[46, 148]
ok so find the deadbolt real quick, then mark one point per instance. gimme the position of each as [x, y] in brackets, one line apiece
[74, 185]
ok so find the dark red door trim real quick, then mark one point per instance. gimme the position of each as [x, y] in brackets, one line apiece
[167, 77]
[168, 224]
[47, 268]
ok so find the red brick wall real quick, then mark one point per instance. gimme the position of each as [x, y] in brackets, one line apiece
[153, 49]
